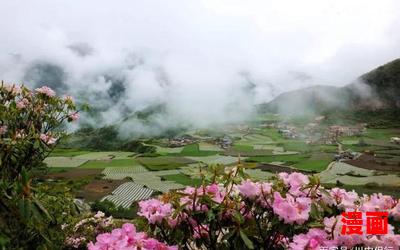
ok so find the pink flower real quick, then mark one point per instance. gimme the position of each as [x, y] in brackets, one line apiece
[127, 238]
[391, 240]
[312, 240]
[200, 231]
[68, 98]
[46, 91]
[3, 129]
[345, 200]
[48, 139]
[22, 103]
[295, 181]
[291, 210]
[249, 189]
[377, 202]
[13, 89]
[74, 116]
[154, 210]
[395, 211]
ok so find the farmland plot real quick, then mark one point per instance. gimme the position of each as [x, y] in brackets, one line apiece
[106, 155]
[252, 139]
[110, 163]
[127, 193]
[337, 172]
[216, 159]
[258, 174]
[165, 150]
[161, 186]
[203, 146]
[119, 173]
[66, 162]
[164, 162]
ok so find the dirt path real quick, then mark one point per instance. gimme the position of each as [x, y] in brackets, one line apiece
[340, 147]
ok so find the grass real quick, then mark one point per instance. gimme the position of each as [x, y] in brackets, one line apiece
[380, 134]
[272, 158]
[164, 162]
[194, 150]
[182, 179]
[313, 165]
[301, 161]
[273, 134]
[68, 152]
[109, 163]
[58, 170]
[243, 148]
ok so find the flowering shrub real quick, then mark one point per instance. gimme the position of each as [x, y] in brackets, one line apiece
[291, 211]
[86, 229]
[30, 127]
[29, 122]
[127, 238]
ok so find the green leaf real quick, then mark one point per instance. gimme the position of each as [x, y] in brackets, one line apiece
[246, 240]
[314, 211]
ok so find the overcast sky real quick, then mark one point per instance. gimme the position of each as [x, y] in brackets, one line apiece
[184, 52]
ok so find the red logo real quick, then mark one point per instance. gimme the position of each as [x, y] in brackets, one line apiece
[376, 223]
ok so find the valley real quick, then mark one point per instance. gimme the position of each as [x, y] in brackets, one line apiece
[346, 154]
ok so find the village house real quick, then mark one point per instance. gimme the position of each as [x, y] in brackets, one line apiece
[181, 141]
[395, 140]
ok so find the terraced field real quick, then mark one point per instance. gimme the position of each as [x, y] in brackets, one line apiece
[216, 159]
[127, 193]
[110, 163]
[351, 175]
[119, 173]
[164, 162]
[174, 168]
[253, 139]
[203, 146]
[64, 162]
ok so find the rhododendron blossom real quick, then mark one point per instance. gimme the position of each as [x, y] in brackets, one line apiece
[260, 214]
[22, 103]
[314, 239]
[154, 210]
[249, 189]
[48, 139]
[13, 89]
[127, 238]
[292, 209]
[46, 91]
[74, 116]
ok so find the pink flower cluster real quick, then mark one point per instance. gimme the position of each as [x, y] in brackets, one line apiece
[13, 89]
[288, 200]
[48, 139]
[127, 238]
[295, 181]
[154, 211]
[314, 239]
[22, 103]
[46, 91]
[291, 209]
[74, 116]
[331, 236]
[253, 190]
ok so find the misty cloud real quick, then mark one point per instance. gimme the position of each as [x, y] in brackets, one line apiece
[206, 62]
[81, 49]
[49, 74]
